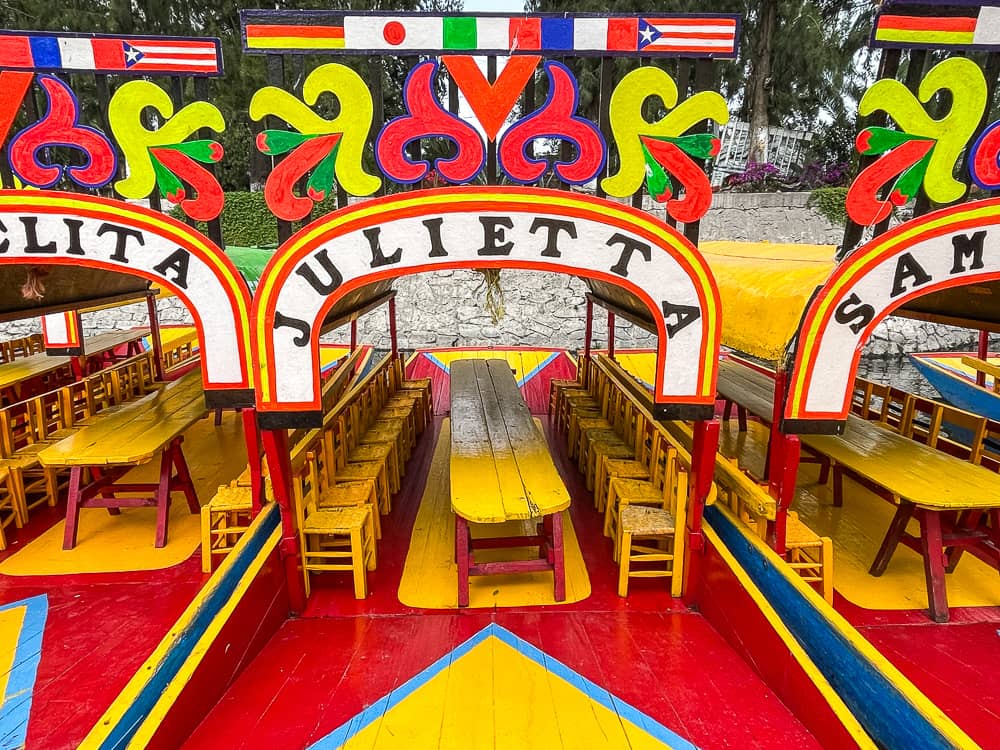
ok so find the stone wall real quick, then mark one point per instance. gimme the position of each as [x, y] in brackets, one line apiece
[445, 308]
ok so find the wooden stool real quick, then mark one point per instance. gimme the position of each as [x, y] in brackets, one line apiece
[224, 520]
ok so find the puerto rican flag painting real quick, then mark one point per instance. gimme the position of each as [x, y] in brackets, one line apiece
[143, 55]
[689, 36]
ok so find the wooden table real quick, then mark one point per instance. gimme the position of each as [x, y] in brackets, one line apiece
[121, 439]
[951, 498]
[13, 375]
[501, 470]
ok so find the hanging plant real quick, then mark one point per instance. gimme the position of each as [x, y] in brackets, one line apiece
[493, 302]
[33, 288]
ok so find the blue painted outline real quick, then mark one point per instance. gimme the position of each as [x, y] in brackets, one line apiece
[132, 718]
[62, 170]
[595, 692]
[974, 152]
[556, 165]
[884, 712]
[434, 360]
[423, 162]
[541, 366]
[15, 704]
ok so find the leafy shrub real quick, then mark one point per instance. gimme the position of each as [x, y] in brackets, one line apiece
[830, 202]
[248, 222]
[816, 174]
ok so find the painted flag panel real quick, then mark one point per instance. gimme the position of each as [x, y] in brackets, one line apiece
[303, 32]
[109, 54]
[968, 26]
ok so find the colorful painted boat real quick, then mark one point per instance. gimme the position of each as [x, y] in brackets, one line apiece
[289, 609]
[956, 382]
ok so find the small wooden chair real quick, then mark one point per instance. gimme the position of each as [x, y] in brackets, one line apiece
[646, 534]
[809, 554]
[224, 519]
[339, 538]
[11, 511]
[333, 492]
[335, 450]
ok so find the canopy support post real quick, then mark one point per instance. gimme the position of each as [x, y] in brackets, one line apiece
[354, 335]
[251, 434]
[983, 352]
[611, 334]
[704, 448]
[154, 336]
[280, 467]
[392, 327]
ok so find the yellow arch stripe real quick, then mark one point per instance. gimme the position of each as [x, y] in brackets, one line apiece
[811, 337]
[178, 232]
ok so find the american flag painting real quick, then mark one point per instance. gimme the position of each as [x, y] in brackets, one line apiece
[142, 55]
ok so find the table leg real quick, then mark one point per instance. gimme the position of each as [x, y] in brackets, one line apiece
[163, 497]
[72, 507]
[558, 567]
[183, 479]
[931, 544]
[741, 418]
[838, 486]
[896, 530]
[462, 553]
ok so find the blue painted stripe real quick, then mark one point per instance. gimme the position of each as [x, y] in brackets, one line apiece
[182, 648]
[342, 734]
[541, 366]
[433, 358]
[15, 703]
[45, 51]
[557, 33]
[884, 712]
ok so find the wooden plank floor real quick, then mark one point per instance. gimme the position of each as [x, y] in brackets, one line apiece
[323, 670]
[100, 627]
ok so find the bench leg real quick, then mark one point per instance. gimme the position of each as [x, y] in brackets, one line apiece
[727, 410]
[896, 530]
[72, 507]
[931, 545]
[558, 564]
[462, 557]
[741, 418]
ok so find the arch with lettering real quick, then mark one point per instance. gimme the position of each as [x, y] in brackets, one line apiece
[473, 227]
[41, 228]
[953, 247]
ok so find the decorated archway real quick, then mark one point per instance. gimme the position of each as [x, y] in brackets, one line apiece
[51, 228]
[948, 248]
[491, 227]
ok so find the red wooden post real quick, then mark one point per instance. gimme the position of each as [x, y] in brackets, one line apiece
[280, 467]
[392, 327]
[983, 352]
[354, 334]
[154, 336]
[703, 452]
[588, 329]
[251, 436]
[611, 334]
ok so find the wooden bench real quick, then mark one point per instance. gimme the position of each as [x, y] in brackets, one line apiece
[987, 368]
[501, 471]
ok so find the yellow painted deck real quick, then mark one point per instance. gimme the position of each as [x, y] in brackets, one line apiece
[500, 693]
[108, 544]
[857, 530]
[430, 571]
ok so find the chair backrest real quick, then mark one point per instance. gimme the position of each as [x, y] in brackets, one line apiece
[947, 428]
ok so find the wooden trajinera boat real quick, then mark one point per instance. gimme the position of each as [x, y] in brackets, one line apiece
[506, 548]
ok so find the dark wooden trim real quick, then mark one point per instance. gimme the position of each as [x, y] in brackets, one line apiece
[357, 312]
[631, 317]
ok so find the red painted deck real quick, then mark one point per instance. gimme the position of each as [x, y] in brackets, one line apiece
[321, 669]
[99, 630]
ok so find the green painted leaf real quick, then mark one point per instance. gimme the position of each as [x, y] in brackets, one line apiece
[277, 142]
[206, 151]
[321, 179]
[657, 180]
[875, 140]
[909, 182]
[168, 184]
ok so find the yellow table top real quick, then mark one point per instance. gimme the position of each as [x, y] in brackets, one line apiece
[925, 476]
[12, 373]
[135, 432]
[501, 469]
